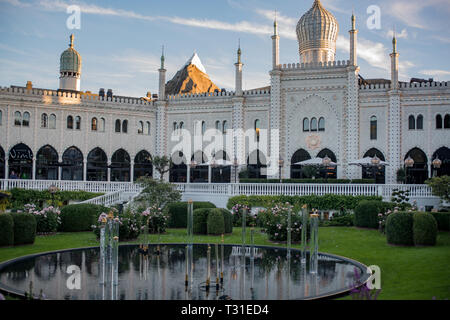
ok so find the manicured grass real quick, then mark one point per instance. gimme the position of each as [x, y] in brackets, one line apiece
[406, 272]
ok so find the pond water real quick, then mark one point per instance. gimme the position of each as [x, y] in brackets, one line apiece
[270, 275]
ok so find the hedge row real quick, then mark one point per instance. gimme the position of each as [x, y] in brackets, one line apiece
[411, 228]
[17, 228]
[366, 212]
[212, 221]
[326, 202]
[320, 180]
[80, 217]
[20, 197]
[178, 212]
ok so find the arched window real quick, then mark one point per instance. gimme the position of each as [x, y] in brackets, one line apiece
[140, 127]
[148, 127]
[69, 122]
[313, 124]
[52, 121]
[373, 172]
[418, 173]
[296, 169]
[94, 124]
[224, 127]
[217, 125]
[117, 125]
[20, 162]
[180, 127]
[78, 122]
[1, 117]
[322, 124]
[143, 165]
[411, 123]
[373, 128]
[17, 118]
[73, 165]
[125, 126]
[2, 163]
[257, 124]
[419, 125]
[305, 124]
[447, 121]
[203, 127]
[26, 119]
[120, 166]
[44, 120]
[438, 121]
[175, 127]
[47, 164]
[102, 124]
[328, 172]
[97, 165]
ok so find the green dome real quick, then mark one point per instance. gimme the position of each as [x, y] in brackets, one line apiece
[70, 59]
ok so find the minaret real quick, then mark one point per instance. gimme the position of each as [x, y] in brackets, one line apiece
[162, 78]
[394, 64]
[70, 68]
[238, 64]
[275, 45]
[353, 43]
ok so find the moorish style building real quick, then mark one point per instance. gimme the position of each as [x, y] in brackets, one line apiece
[314, 107]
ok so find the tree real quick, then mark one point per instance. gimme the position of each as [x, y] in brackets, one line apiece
[162, 165]
[309, 172]
[157, 193]
[440, 187]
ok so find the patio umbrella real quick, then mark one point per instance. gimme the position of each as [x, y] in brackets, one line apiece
[315, 162]
[219, 163]
[367, 161]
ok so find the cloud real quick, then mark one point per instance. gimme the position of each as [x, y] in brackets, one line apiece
[402, 34]
[435, 72]
[17, 3]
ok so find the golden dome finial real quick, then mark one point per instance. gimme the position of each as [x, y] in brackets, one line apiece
[71, 40]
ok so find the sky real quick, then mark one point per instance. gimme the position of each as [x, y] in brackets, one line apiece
[121, 41]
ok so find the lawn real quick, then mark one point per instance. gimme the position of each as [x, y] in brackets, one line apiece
[406, 272]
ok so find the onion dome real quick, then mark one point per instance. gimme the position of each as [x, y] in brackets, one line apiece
[317, 32]
[70, 59]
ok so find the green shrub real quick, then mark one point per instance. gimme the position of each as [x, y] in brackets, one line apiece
[424, 229]
[80, 217]
[215, 222]
[6, 229]
[201, 220]
[228, 220]
[178, 212]
[399, 228]
[443, 220]
[366, 213]
[24, 228]
[326, 202]
[340, 221]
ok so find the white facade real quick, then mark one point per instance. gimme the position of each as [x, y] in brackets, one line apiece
[325, 90]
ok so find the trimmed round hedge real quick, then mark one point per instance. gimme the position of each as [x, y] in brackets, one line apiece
[443, 220]
[6, 229]
[24, 228]
[80, 217]
[424, 229]
[178, 212]
[201, 220]
[228, 220]
[399, 228]
[215, 222]
[366, 213]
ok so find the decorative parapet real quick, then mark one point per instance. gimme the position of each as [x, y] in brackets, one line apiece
[75, 95]
[320, 65]
[227, 94]
[407, 86]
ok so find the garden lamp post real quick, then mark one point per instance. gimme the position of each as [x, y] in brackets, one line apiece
[326, 162]
[375, 162]
[409, 163]
[280, 166]
[53, 189]
[436, 165]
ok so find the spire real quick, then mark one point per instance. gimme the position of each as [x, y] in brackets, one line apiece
[394, 43]
[353, 21]
[275, 25]
[162, 58]
[239, 52]
[71, 40]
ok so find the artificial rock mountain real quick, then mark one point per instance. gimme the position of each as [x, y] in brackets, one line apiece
[190, 79]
